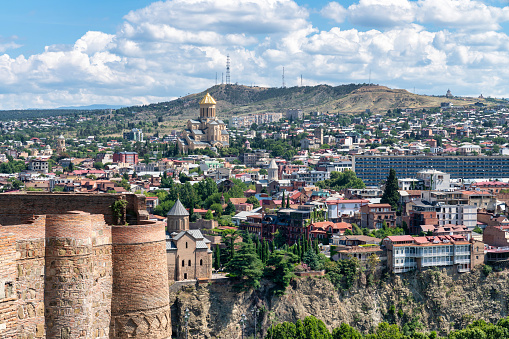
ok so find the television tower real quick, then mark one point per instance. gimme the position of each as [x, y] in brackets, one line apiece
[284, 78]
[228, 69]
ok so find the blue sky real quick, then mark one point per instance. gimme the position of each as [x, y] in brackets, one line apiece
[59, 53]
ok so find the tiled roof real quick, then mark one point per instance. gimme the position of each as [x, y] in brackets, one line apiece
[178, 209]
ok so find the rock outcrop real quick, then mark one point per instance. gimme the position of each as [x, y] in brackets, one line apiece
[431, 300]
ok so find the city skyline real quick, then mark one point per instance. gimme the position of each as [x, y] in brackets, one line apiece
[57, 53]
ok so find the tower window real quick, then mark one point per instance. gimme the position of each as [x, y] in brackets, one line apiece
[186, 244]
[189, 262]
[183, 263]
[201, 262]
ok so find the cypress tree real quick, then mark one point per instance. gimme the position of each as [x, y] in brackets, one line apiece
[217, 258]
[391, 194]
[288, 202]
[283, 201]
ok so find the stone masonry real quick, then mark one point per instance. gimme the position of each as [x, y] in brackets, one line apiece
[70, 274]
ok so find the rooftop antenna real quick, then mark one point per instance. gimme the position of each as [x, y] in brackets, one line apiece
[228, 69]
[283, 77]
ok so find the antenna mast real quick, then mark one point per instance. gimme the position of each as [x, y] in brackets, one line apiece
[228, 69]
[369, 83]
[284, 77]
[301, 80]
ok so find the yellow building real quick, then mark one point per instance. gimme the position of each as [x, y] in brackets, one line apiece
[206, 132]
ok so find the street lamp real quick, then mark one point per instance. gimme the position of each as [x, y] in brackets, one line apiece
[255, 312]
[243, 323]
[186, 319]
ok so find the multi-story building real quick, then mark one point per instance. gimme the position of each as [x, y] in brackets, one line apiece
[434, 180]
[421, 214]
[375, 169]
[38, 165]
[457, 215]
[311, 177]
[336, 209]
[134, 135]
[406, 253]
[126, 157]
[294, 114]
[374, 215]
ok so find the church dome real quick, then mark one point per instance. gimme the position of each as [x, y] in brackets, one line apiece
[207, 100]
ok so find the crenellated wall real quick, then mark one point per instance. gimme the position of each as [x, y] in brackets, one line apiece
[71, 275]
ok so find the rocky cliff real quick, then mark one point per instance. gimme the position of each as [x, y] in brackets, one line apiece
[430, 300]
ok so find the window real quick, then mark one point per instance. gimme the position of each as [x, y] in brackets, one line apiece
[186, 244]
[201, 262]
[183, 263]
[189, 263]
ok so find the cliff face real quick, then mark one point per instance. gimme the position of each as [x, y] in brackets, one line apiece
[438, 300]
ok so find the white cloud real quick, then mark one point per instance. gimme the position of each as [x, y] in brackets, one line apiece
[382, 13]
[463, 14]
[172, 48]
[334, 11]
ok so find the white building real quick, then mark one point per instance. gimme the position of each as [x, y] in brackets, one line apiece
[338, 208]
[435, 180]
[458, 215]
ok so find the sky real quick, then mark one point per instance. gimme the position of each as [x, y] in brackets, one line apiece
[56, 53]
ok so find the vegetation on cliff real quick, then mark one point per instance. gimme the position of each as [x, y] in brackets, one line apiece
[312, 328]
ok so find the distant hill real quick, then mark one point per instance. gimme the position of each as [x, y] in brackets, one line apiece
[93, 107]
[235, 100]
[350, 99]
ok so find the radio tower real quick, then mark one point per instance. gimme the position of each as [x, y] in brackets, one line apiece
[228, 69]
[284, 77]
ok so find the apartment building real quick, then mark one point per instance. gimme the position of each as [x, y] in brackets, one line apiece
[406, 253]
[375, 169]
[336, 209]
[374, 215]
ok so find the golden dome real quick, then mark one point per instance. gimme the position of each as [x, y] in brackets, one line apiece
[207, 100]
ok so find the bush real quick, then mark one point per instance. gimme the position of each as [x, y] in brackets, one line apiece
[487, 269]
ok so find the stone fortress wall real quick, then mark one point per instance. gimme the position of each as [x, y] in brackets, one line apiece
[68, 273]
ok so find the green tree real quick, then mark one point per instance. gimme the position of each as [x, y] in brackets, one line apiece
[208, 215]
[311, 259]
[245, 267]
[217, 257]
[346, 331]
[252, 200]
[218, 208]
[230, 208]
[391, 194]
[342, 180]
[263, 171]
[280, 268]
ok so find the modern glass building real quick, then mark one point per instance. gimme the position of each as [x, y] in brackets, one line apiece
[375, 169]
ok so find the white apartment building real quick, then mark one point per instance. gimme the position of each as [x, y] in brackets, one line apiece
[457, 215]
[338, 208]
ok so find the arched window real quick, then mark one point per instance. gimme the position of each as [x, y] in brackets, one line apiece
[183, 263]
[189, 262]
[201, 262]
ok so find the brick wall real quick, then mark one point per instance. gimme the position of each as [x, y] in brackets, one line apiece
[8, 319]
[16, 208]
[70, 275]
[140, 298]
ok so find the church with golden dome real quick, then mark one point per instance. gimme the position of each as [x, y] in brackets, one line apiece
[206, 132]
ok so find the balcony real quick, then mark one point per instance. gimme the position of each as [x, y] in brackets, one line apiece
[462, 261]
